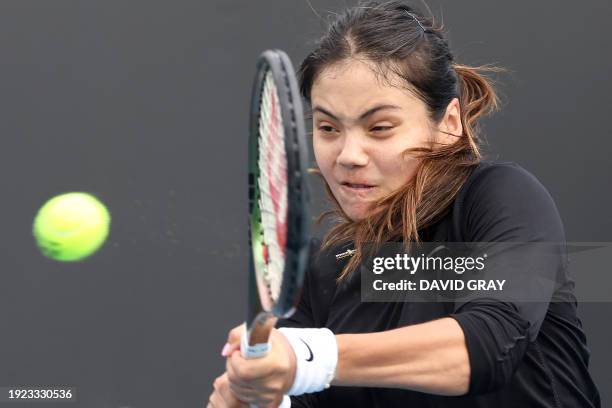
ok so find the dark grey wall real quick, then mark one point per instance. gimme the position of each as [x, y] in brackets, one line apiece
[144, 103]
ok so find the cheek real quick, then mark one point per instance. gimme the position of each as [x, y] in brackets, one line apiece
[395, 168]
[324, 156]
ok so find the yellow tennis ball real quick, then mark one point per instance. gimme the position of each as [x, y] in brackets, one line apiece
[71, 226]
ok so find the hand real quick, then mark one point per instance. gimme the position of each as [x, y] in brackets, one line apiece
[222, 397]
[260, 381]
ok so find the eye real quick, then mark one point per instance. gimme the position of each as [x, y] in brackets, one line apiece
[380, 129]
[326, 129]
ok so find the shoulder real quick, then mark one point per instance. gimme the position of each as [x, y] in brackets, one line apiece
[503, 196]
[502, 178]
[505, 184]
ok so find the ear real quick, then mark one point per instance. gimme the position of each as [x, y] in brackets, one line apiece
[451, 123]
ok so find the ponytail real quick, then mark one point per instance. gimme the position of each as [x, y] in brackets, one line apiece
[477, 97]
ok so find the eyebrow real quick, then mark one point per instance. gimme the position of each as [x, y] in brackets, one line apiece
[364, 115]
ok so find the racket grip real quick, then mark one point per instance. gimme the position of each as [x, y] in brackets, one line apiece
[252, 351]
[257, 351]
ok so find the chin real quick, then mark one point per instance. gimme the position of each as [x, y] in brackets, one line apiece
[356, 213]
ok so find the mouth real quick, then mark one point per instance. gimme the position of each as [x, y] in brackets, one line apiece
[352, 185]
[357, 186]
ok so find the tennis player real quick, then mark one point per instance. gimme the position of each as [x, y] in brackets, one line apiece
[395, 134]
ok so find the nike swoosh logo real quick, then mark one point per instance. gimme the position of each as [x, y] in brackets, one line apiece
[309, 350]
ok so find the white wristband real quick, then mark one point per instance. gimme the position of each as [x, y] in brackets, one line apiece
[286, 403]
[316, 353]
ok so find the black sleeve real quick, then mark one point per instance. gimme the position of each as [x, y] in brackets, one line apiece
[504, 203]
[305, 401]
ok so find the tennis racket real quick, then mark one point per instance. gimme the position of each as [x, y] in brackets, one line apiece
[278, 200]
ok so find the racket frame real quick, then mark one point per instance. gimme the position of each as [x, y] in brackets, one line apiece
[262, 314]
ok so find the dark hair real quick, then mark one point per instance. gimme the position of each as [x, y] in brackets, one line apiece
[397, 38]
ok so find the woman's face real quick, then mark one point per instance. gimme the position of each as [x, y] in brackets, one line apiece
[361, 126]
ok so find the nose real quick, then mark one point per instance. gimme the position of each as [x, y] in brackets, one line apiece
[352, 153]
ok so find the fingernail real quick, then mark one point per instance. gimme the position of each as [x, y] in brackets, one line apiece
[226, 349]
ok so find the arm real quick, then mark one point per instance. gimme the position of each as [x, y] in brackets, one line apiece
[431, 357]
[449, 356]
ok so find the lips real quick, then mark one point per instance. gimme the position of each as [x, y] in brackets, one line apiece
[356, 193]
[358, 186]
[357, 189]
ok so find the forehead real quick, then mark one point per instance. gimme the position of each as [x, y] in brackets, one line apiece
[356, 84]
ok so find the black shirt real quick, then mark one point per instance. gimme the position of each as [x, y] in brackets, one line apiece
[521, 355]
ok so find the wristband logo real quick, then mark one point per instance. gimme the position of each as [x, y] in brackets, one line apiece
[311, 357]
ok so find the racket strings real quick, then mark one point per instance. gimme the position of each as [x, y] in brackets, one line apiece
[272, 182]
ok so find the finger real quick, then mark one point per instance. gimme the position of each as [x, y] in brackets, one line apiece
[279, 400]
[257, 399]
[250, 369]
[250, 394]
[243, 393]
[222, 390]
[268, 384]
[217, 400]
[229, 349]
[213, 401]
[244, 371]
[217, 381]
[265, 401]
[235, 375]
[235, 334]
[233, 340]
[229, 397]
[274, 404]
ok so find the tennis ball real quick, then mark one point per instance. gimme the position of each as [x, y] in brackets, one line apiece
[71, 226]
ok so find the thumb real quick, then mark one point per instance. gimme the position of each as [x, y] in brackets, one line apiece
[233, 340]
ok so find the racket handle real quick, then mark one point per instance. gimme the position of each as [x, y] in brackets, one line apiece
[258, 351]
[252, 351]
